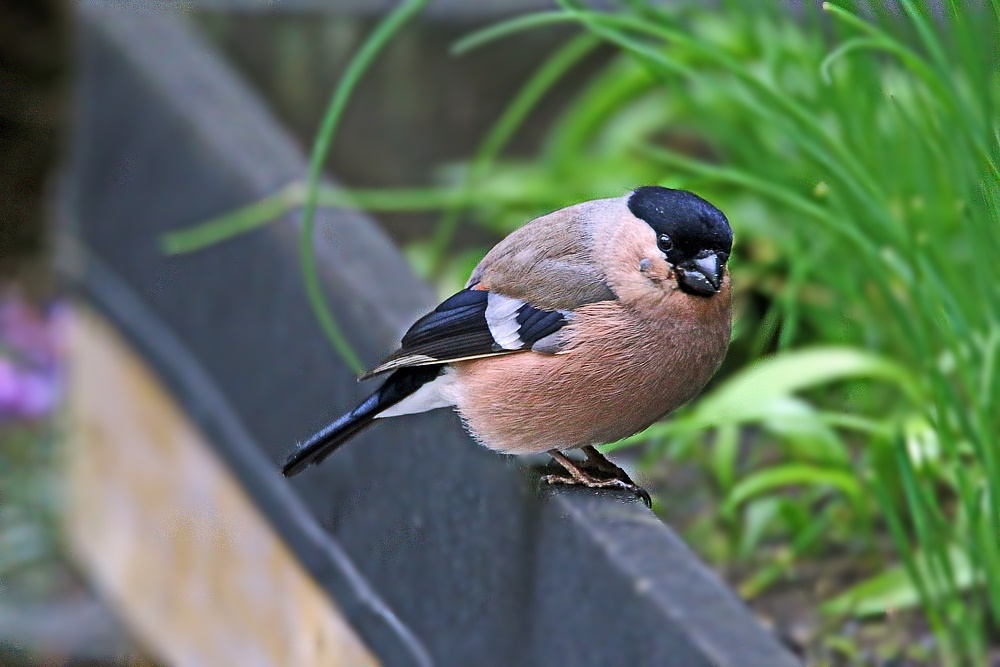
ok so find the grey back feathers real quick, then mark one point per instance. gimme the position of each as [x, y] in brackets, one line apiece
[549, 262]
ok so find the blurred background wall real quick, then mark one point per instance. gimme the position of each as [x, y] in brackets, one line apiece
[419, 110]
[35, 78]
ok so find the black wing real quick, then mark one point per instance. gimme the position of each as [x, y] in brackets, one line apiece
[476, 323]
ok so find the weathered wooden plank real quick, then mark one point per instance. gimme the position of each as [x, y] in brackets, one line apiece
[169, 535]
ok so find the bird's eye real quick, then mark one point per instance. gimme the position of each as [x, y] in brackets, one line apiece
[665, 242]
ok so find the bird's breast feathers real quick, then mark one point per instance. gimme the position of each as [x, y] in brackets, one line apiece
[619, 371]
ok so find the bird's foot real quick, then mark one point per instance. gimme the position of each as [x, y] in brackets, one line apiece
[601, 466]
[593, 483]
[596, 473]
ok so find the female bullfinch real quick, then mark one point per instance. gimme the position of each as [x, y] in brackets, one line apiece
[582, 327]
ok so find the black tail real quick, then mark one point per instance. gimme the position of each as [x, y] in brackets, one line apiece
[398, 386]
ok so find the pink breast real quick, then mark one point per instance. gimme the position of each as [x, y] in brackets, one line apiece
[620, 373]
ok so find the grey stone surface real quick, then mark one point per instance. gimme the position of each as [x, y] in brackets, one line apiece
[438, 551]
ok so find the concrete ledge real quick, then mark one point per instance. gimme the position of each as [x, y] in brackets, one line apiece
[436, 551]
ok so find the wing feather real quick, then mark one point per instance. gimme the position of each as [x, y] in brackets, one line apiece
[521, 294]
[473, 323]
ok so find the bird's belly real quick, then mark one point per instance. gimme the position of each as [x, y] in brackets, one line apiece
[603, 388]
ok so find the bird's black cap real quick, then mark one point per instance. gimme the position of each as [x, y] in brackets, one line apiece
[692, 223]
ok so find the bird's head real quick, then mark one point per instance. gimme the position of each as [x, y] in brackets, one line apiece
[693, 236]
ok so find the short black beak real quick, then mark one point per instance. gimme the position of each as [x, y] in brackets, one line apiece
[702, 275]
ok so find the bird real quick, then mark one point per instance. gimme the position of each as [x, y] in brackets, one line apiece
[581, 327]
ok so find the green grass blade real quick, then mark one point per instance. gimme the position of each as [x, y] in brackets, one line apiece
[384, 32]
[793, 474]
[231, 225]
[500, 134]
[507, 28]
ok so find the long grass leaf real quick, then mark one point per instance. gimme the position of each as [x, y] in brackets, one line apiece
[355, 70]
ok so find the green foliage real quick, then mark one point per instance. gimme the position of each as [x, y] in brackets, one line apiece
[893, 588]
[30, 560]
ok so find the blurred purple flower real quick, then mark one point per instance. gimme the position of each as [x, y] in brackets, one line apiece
[8, 381]
[31, 358]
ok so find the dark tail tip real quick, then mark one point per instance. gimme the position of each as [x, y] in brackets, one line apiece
[325, 442]
[398, 386]
[295, 464]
